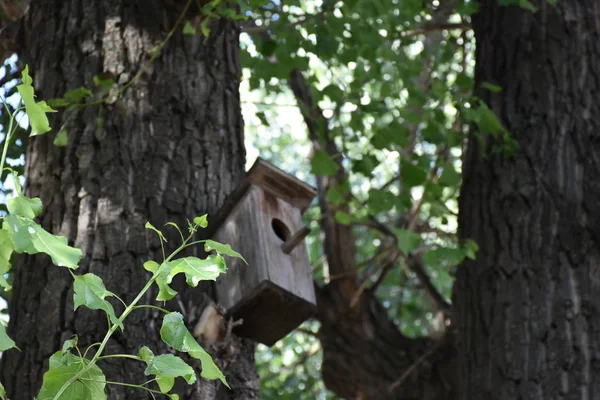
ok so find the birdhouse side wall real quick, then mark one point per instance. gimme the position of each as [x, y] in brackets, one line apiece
[281, 221]
[243, 229]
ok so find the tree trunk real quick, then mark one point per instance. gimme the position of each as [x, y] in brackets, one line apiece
[170, 148]
[528, 306]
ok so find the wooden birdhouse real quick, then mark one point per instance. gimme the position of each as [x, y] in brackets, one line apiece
[262, 220]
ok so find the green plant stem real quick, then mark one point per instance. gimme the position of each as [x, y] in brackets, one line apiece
[108, 335]
[114, 327]
[9, 134]
[133, 385]
[131, 356]
[89, 347]
[154, 307]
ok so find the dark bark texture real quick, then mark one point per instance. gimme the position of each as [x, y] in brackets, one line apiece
[528, 309]
[170, 148]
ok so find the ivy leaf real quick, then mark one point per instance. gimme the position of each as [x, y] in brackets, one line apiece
[31, 238]
[165, 292]
[188, 29]
[204, 27]
[322, 164]
[24, 206]
[104, 84]
[61, 139]
[89, 291]
[487, 120]
[201, 221]
[69, 344]
[491, 87]
[222, 249]
[408, 240]
[470, 247]
[35, 111]
[76, 95]
[174, 333]
[90, 384]
[197, 270]
[159, 233]
[6, 249]
[167, 367]
[5, 341]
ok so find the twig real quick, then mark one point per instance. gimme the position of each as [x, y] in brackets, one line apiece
[416, 265]
[414, 366]
[430, 28]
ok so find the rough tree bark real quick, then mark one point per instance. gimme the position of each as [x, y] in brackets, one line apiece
[171, 148]
[528, 306]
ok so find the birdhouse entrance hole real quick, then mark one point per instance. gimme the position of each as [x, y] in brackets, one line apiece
[280, 229]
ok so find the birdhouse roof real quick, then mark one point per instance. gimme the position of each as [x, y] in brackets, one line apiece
[271, 179]
[280, 183]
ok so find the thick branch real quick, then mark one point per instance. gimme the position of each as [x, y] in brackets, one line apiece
[339, 239]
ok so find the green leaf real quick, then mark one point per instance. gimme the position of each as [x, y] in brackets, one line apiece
[159, 233]
[174, 333]
[268, 48]
[491, 87]
[380, 200]
[197, 270]
[89, 291]
[322, 164]
[204, 27]
[223, 249]
[450, 255]
[335, 196]
[104, 84]
[6, 250]
[165, 292]
[24, 206]
[412, 175]
[188, 29]
[343, 217]
[487, 120]
[61, 139]
[2, 392]
[449, 177]
[76, 95]
[69, 344]
[63, 367]
[201, 221]
[169, 365]
[31, 238]
[36, 111]
[5, 341]
[470, 247]
[166, 368]
[408, 240]
[366, 165]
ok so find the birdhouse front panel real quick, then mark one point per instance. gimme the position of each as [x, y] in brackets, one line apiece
[274, 293]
